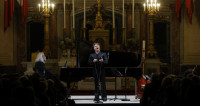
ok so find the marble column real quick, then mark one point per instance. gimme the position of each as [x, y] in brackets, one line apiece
[53, 35]
[175, 42]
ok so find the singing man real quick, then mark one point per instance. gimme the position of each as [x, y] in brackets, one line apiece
[98, 59]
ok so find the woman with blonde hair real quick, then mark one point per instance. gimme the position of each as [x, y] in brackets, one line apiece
[40, 65]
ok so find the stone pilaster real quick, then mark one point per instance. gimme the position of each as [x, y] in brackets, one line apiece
[20, 39]
[175, 41]
[53, 36]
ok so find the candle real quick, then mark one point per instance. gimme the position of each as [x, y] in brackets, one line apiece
[53, 7]
[143, 44]
[133, 16]
[64, 16]
[113, 12]
[149, 7]
[73, 14]
[143, 48]
[144, 7]
[84, 26]
[39, 7]
[42, 3]
[45, 5]
[123, 14]
[158, 5]
[48, 4]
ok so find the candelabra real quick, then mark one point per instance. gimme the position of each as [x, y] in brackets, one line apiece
[151, 8]
[46, 9]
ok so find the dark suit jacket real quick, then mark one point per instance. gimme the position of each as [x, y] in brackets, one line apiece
[98, 57]
[41, 69]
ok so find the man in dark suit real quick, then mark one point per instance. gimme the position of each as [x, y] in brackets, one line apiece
[98, 59]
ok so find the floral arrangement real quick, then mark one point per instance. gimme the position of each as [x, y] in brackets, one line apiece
[66, 44]
[131, 45]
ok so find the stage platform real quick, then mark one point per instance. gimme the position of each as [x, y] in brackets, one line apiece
[88, 100]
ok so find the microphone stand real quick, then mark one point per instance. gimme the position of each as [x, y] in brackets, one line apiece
[68, 84]
[125, 99]
[65, 65]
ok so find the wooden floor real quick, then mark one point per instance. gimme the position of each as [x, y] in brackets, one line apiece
[88, 100]
[109, 92]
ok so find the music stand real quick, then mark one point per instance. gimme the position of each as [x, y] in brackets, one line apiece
[125, 99]
[117, 74]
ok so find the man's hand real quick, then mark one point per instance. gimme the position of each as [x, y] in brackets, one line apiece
[101, 60]
[95, 60]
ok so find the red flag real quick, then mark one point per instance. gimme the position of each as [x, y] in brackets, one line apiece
[8, 12]
[178, 7]
[11, 8]
[189, 9]
[24, 9]
[6, 21]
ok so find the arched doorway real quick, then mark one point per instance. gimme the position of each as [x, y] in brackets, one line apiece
[35, 38]
[162, 40]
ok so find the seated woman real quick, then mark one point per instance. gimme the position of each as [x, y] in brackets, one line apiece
[40, 65]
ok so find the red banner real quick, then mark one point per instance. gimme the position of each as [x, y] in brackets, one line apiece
[11, 8]
[8, 12]
[6, 21]
[178, 7]
[189, 9]
[24, 9]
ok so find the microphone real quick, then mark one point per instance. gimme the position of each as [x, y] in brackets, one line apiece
[99, 58]
[126, 69]
[65, 65]
[108, 55]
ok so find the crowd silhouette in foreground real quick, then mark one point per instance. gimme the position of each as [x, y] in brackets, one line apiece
[32, 90]
[172, 90]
